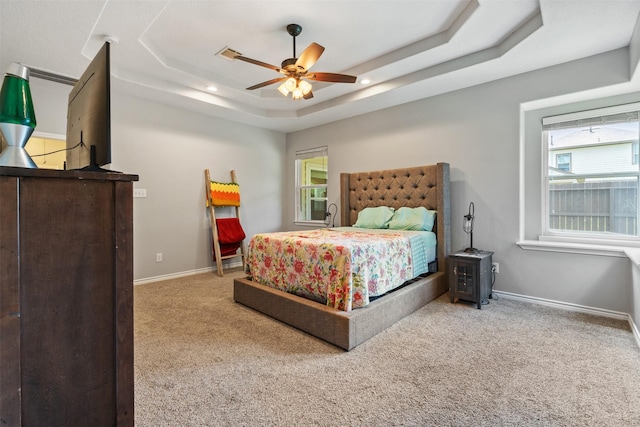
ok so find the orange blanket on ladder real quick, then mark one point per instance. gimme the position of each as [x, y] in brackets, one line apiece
[230, 235]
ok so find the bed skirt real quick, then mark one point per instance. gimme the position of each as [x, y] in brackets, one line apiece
[340, 328]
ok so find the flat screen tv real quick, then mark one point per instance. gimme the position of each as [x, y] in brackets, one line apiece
[89, 116]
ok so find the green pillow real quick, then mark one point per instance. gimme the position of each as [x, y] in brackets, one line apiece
[374, 217]
[419, 218]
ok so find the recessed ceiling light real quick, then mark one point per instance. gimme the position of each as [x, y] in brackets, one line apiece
[365, 81]
[212, 88]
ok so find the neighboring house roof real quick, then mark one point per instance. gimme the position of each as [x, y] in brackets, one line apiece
[554, 172]
[594, 135]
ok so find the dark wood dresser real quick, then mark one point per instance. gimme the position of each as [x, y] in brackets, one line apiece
[66, 298]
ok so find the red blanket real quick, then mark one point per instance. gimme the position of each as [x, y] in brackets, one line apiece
[230, 235]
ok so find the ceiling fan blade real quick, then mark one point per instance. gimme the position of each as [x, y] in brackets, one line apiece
[309, 56]
[267, 83]
[331, 77]
[256, 62]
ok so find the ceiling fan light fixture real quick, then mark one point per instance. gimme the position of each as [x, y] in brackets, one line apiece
[305, 86]
[297, 93]
[291, 84]
[297, 87]
[283, 89]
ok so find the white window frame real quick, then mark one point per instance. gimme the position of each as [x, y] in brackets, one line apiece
[582, 119]
[299, 157]
[533, 178]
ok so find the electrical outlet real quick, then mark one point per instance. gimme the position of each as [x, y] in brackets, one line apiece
[159, 257]
[495, 267]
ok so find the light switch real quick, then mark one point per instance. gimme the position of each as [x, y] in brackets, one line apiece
[139, 192]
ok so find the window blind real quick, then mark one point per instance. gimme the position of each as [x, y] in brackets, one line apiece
[602, 116]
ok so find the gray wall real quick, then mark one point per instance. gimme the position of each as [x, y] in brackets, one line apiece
[169, 149]
[477, 131]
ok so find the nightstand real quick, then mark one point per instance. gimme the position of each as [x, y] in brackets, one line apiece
[470, 276]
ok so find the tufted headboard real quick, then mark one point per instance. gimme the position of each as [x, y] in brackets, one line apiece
[426, 186]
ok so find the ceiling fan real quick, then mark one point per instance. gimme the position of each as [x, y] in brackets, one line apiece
[296, 70]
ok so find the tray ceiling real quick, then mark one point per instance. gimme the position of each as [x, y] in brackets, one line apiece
[166, 49]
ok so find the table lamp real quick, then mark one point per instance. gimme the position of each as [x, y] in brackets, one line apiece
[467, 226]
[17, 119]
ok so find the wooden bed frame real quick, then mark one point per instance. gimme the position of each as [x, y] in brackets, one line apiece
[417, 186]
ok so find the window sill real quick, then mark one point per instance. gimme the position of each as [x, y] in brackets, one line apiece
[576, 248]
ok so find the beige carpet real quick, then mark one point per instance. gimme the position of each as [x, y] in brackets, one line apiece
[203, 360]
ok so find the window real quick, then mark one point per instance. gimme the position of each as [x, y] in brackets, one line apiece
[563, 162]
[311, 185]
[591, 181]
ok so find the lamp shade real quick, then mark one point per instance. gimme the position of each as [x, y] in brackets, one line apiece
[290, 84]
[305, 86]
[17, 117]
[283, 89]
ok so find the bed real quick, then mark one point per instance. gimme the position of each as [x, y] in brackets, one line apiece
[345, 325]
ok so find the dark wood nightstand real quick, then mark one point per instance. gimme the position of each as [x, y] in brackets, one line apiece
[470, 276]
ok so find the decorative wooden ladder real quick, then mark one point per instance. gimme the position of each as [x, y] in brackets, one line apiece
[212, 204]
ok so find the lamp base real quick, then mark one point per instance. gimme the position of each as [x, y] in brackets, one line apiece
[16, 157]
[16, 137]
[471, 251]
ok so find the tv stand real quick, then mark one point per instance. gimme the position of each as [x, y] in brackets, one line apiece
[93, 166]
[66, 298]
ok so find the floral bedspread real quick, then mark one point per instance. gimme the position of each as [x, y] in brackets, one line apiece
[339, 267]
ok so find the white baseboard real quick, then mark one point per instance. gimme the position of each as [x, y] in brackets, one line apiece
[575, 307]
[634, 328]
[183, 274]
[565, 305]
[171, 276]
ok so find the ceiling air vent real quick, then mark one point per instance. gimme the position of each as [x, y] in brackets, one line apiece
[228, 53]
